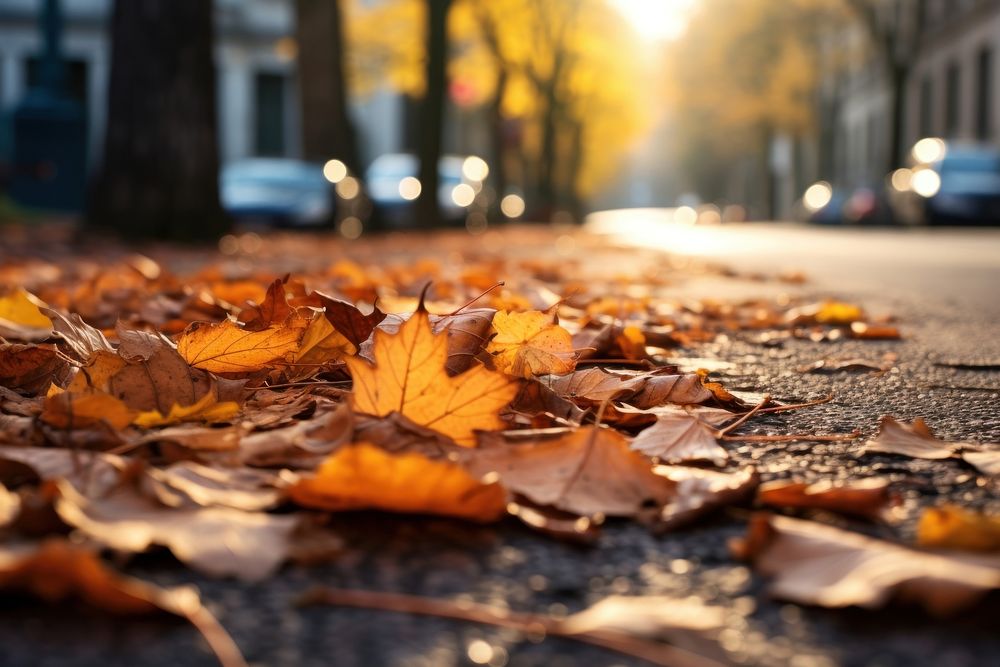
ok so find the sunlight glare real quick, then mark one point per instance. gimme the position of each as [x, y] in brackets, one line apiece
[656, 20]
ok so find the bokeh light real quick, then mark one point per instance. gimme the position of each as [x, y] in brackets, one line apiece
[817, 196]
[925, 182]
[929, 149]
[475, 169]
[409, 188]
[902, 179]
[349, 188]
[685, 215]
[334, 171]
[512, 206]
[463, 195]
[351, 227]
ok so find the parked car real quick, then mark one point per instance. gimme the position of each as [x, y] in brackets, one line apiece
[826, 205]
[949, 184]
[393, 186]
[277, 191]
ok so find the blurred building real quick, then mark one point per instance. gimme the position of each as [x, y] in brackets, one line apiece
[949, 50]
[257, 85]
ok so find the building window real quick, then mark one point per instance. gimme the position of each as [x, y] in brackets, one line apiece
[984, 88]
[269, 104]
[926, 107]
[953, 82]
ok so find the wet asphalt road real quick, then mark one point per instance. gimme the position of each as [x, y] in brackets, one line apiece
[943, 286]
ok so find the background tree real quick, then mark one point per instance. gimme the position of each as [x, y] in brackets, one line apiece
[432, 107]
[160, 167]
[327, 129]
[893, 31]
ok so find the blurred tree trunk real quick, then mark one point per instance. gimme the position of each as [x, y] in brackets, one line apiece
[895, 42]
[327, 129]
[498, 168]
[159, 176]
[432, 113]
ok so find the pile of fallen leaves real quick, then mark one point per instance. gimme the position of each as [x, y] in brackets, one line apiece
[225, 416]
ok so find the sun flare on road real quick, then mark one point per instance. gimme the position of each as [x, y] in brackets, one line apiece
[656, 20]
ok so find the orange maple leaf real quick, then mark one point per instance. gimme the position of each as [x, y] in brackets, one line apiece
[409, 377]
[529, 344]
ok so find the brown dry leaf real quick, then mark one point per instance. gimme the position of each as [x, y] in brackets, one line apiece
[272, 311]
[190, 484]
[699, 492]
[348, 320]
[813, 563]
[409, 377]
[530, 344]
[74, 411]
[97, 472]
[554, 522]
[593, 386]
[952, 527]
[31, 368]
[588, 471]
[538, 402]
[864, 331]
[81, 338]
[226, 348]
[57, 570]
[363, 476]
[679, 436]
[399, 435]
[196, 437]
[159, 381]
[217, 541]
[302, 444]
[868, 498]
[987, 462]
[915, 440]
[845, 366]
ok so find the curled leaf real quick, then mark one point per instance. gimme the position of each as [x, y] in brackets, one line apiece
[363, 476]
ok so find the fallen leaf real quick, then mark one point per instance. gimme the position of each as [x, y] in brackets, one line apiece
[226, 348]
[57, 570]
[843, 366]
[529, 344]
[97, 472]
[699, 492]
[303, 444]
[31, 368]
[467, 333]
[348, 320]
[914, 440]
[21, 308]
[73, 411]
[409, 377]
[554, 522]
[864, 331]
[680, 436]
[81, 338]
[952, 527]
[272, 311]
[363, 476]
[868, 498]
[159, 381]
[190, 484]
[217, 541]
[986, 462]
[593, 386]
[207, 409]
[321, 343]
[588, 471]
[812, 563]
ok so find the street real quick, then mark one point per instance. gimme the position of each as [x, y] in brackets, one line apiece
[938, 285]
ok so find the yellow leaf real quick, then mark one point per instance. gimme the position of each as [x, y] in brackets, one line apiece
[409, 377]
[22, 307]
[529, 344]
[97, 373]
[207, 409]
[322, 343]
[226, 348]
[363, 476]
[68, 410]
[951, 527]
